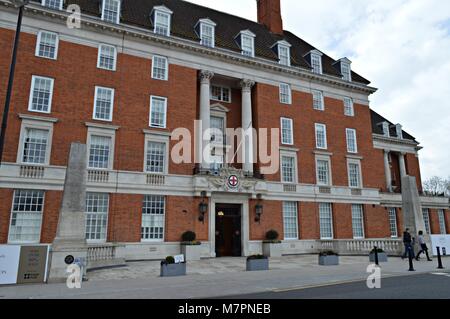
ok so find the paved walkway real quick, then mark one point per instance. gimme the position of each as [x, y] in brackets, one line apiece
[216, 277]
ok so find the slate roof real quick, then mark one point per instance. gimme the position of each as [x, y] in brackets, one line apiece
[186, 15]
[377, 128]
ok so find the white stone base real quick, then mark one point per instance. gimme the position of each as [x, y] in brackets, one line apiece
[191, 253]
[58, 267]
[272, 250]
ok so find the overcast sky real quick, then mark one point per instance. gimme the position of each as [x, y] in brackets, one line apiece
[401, 46]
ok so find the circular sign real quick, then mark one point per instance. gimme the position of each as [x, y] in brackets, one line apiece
[233, 181]
[69, 260]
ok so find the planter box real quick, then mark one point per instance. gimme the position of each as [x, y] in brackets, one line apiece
[382, 257]
[191, 252]
[272, 250]
[172, 270]
[257, 264]
[328, 260]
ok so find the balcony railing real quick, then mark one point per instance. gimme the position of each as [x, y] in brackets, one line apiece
[216, 172]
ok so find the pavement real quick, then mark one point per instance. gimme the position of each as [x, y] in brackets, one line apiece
[213, 278]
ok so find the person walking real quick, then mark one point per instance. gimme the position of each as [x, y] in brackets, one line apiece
[408, 242]
[423, 247]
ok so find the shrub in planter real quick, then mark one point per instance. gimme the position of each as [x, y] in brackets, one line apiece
[190, 247]
[328, 258]
[382, 256]
[257, 262]
[271, 247]
[170, 269]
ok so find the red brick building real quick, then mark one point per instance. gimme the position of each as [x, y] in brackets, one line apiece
[133, 72]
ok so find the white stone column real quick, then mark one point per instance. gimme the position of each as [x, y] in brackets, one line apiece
[387, 171]
[247, 125]
[205, 115]
[401, 159]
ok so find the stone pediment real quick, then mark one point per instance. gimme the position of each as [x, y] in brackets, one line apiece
[217, 107]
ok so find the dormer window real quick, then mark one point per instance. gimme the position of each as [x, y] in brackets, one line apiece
[111, 11]
[385, 126]
[53, 4]
[344, 66]
[314, 58]
[161, 17]
[206, 30]
[399, 131]
[283, 49]
[247, 43]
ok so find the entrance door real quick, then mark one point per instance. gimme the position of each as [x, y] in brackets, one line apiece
[228, 230]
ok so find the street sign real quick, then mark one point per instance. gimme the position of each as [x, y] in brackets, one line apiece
[9, 264]
[179, 259]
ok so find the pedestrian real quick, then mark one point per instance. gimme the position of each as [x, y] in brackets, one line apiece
[408, 242]
[423, 247]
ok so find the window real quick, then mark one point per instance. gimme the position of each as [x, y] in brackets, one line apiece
[352, 145]
[153, 210]
[287, 137]
[160, 68]
[354, 174]
[96, 216]
[47, 45]
[358, 221]
[207, 35]
[318, 102]
[284, 55]
[247, 45]
[99, 152]
[111, 11]
[35, 146]
[107, 57]
[162, 23]
[104, 103]
[393, 222]
[316, 63]
[156, 157]
[53, 4]
[217, 124]
[321, 136]
[441, 215]
[26, 216]
[426, 219]
[323, 172]
[326, 221]
[348, 107]
[41, 94]
[346, 71]
[158, 109]
[290, 220]
[220, 93]
[288, 171]
[285, 93]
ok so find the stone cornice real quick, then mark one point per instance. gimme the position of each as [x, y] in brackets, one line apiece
[396, 141]
[230, 56]
[38, 118]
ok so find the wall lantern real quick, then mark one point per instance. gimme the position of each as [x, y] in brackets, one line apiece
[258, 209]
[203, 208]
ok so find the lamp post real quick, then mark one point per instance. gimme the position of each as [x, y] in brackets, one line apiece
[19, 4]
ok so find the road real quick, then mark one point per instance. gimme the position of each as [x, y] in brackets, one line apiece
[423, 286]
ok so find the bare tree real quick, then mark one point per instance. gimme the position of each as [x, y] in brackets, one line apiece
[437, 186]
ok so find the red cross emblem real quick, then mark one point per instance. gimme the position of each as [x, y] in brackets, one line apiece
[233, 181]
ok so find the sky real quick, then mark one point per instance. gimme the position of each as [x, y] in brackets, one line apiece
[401, 46]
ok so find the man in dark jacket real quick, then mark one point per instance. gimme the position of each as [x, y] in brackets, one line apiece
[408, 242]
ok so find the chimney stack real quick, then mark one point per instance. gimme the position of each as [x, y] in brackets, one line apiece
[269, 14]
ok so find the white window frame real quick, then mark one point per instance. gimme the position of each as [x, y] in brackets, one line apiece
[163, 11]
[151, 136]
[165, 112]
[361, 217]
[103, 240]
[207, 24]
[330, 177]
[118, 11]
[166, 67]
[112, 103]
[291, 123]
[317, 127]
[293, 155]
[351, 107]
[39, 124]
[286, 46]
[10, 241]
[222, 88]
[296, 237]
[251, 37]
[355, 162]
[442, 223]
[44, 3]
[99, 55]
[322, 100]
[318, 55]
[353, 133]
[426, 220]
[38, 44]
[30, 102]
[322, 237]
[104, 131]
[346, 76]
[163, 221]
[289, 93]
[392, 211]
